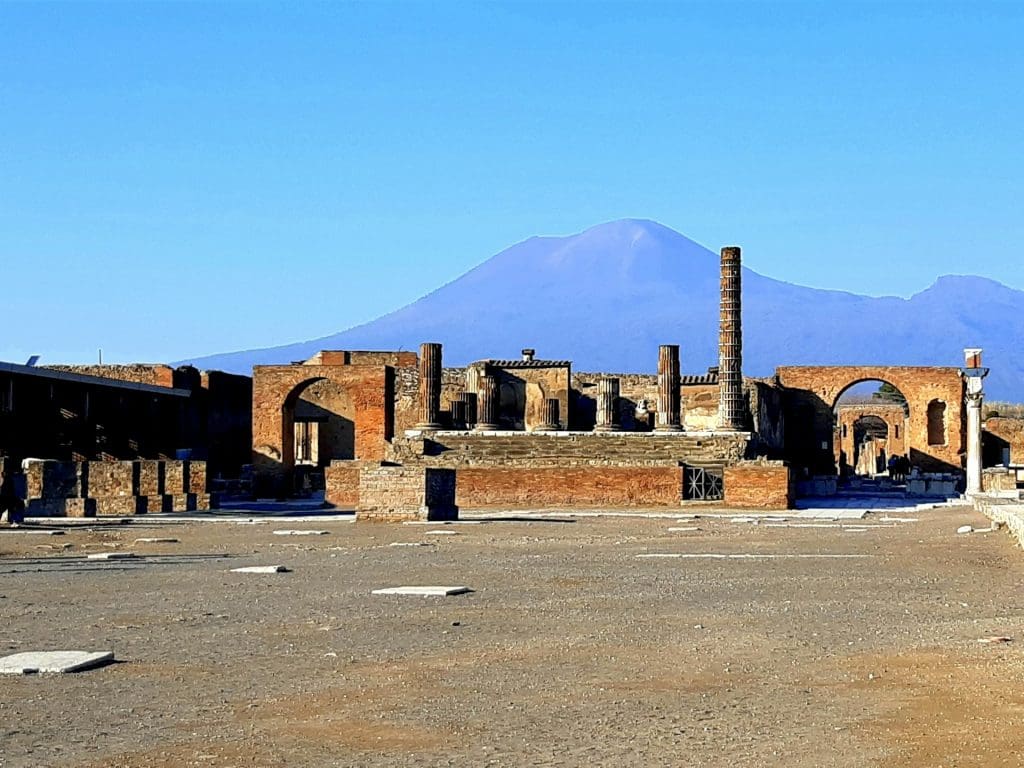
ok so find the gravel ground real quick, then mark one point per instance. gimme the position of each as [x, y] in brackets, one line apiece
[571, 650]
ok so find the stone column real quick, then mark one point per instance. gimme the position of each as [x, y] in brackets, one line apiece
[458, 414]
[668, 389]
[551, 421]
[731, 414]
[430, 387]
[468, 400]
[487, 404]
[974, 396]
[607, 405]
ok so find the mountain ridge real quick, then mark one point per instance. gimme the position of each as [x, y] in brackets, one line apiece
[606, 297]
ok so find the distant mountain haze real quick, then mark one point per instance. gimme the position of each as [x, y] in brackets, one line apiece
[607, 297]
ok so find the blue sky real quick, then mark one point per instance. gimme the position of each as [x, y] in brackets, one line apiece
[181, 179]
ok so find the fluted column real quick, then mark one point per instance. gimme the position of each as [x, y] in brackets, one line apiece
[487, 404]
[668, 389]
[458, 414]
[607, 405]
[731, 414]
[551, 420]
[430, 386]
[468, 401]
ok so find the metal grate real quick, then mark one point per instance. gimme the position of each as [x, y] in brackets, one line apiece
[702, 484]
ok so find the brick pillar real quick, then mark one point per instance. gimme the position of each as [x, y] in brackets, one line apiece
[607, 405]
[487, 404]
[551, 421]
[731, 414]
[668, 389]
[430, 387]
[468, 401]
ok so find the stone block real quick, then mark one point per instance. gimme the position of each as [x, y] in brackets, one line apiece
[175, 477]
[341, 484]
[758, 485]
[196, 478]
[148, 477]
[392, 493]
[109, 479]
[60, 508]
[33, 662]
[46, 479]
[120, 506]
[423, 591]
[158, 503]
[183, 502]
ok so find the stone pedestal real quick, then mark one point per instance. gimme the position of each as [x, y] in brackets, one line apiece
[551, 417]
[487, 404]
[391, 493]
[608, 406]
[430, 387]
[731, 411]
[669, 417]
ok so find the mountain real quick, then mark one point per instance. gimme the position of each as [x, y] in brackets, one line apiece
[605, 299]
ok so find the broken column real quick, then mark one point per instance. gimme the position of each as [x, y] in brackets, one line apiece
[551, 420]
[668, 389]
[467, 407]
[730, 344]
[607, 405]
[974, 395]
[487, 404]
[430, 386]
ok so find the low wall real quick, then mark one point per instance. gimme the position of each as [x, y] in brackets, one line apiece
[560, 487]
[758, 485]
[88, 488]
[1007, 511]
[998, 479]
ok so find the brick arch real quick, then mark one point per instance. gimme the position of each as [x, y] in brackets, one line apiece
[893, 415]
[276, 389]
[820, 387]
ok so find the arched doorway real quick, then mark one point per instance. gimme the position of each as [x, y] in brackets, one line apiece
[317, 427]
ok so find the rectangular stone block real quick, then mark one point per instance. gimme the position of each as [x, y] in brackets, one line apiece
[183, 502]
[60, 508]
[148, 477]
[175, 476]
[154, 504]
[393, 493]
[108, 479]
[120, 506]
[196, 479]
[46, 479]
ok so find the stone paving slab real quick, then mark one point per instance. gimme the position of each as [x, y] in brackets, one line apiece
[423, 591]
[291, 532]
[32, 662]
[111, 556]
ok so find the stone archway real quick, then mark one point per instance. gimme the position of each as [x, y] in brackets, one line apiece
[811, 394]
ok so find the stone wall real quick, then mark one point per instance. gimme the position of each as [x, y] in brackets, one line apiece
[767, 411]
[1004, 432]
[758, 485]
[699, 401]
[467, 449]
[390, 493]
[157, 375]
[503, 487]
[999, 480]
[341, 484]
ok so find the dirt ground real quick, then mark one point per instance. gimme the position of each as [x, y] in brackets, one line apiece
[571, 651]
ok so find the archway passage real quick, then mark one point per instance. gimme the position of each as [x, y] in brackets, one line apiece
[870, 423]
[813, 436]
[318, 426]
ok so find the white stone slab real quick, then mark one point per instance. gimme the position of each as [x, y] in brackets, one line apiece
[410, 544]
[423, 591]
[261, 569]
[442, 533]
[25, 532]
[965, 529]
[32, 662]
[300, 533]
[685, 528]
[111, 556]
[156, 540]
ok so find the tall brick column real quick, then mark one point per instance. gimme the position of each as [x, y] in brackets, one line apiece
[731, 414]
[607, 405]
[487, 404]
[668, 389]
[430, 387]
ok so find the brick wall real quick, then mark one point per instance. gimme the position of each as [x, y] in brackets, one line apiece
[155, 375]
[560, 487]
[758, 485]
[341, 484]
[389, 493]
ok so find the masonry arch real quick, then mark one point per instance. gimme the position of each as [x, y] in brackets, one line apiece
[317, 424]
[870, 426]
[819, 389]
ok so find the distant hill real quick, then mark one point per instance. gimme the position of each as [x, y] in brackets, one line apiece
[605, 299]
